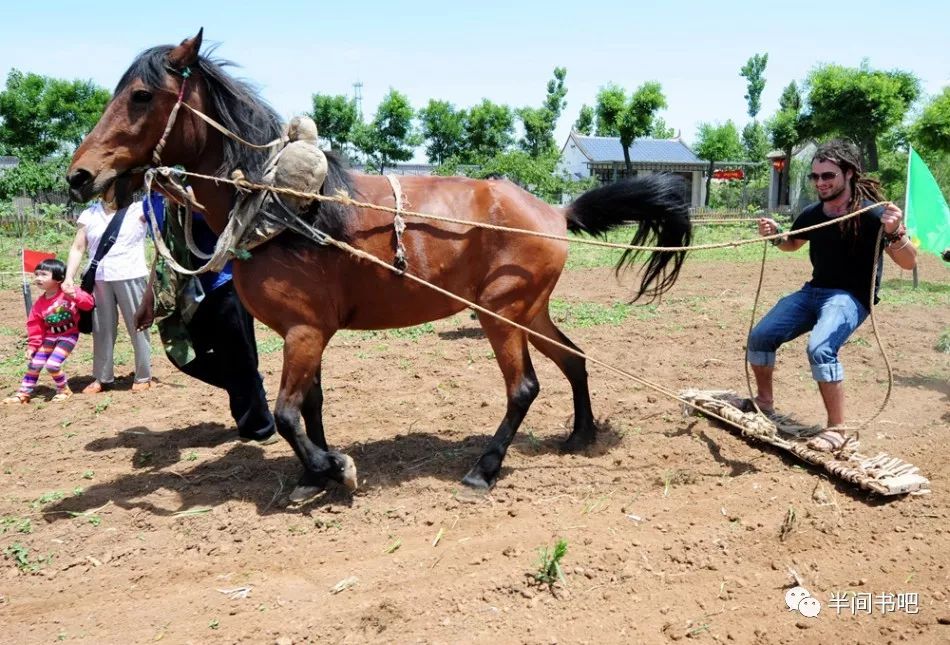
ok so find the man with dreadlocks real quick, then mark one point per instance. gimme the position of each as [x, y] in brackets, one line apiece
[838, 297]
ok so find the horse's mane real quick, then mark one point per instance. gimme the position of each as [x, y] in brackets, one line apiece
[241, 110]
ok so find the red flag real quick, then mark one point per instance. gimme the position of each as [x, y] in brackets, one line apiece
[32, 258]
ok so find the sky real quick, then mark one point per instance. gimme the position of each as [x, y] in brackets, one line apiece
[504, 51]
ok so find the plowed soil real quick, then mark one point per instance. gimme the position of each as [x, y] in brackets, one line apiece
[134, 518]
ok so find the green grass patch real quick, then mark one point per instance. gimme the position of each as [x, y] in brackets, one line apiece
[403, 333]
[588, 314]
[897, 292]
[270, 345]
[585, 256]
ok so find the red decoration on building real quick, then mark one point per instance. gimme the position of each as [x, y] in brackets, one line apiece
[730, 174]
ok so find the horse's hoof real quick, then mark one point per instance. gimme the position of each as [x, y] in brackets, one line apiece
[477, 481]
[304, 493]
[349, 473]
[577, 443]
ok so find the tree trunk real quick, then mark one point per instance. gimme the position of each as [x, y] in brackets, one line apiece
[709, 181]
[626, 161]
[871, 146]
[785, 181]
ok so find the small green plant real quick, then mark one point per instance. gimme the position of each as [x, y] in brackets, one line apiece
[18, 524]
[214, 623]
[192, 455]
[943, 343]
[21, 558]
[142, 459]
[79, 490]
[549, 563]
[88, 474]
[102, 405]
[47, 498]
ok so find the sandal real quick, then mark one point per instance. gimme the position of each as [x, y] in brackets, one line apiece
[19, 398]
[62, 395]
[833, 441]
[93, 388]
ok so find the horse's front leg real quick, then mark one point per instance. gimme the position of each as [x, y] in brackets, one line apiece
[303, 350]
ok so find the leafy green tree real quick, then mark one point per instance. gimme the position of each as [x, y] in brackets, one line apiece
[717, 143]
[336, 118]
[489, 131]
[34, 179]
[859, 103]
[931, 131]
[755, 141]
[390, 136]
[787, 129]
[539, 123]
[538, 175]
[43, 116]
[659, 129]
[585, 120]
[443, 128]
[754, 73]
[628, 118]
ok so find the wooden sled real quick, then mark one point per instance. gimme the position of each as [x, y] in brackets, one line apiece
[881, 474]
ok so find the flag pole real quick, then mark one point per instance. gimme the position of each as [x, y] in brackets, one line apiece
[27, 294]
[910, 154]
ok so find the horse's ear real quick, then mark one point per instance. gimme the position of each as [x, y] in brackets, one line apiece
[186, 54]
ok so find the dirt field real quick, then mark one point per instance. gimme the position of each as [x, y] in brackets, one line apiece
[127, 518]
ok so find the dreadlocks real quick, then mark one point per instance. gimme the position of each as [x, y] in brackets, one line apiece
[846, 156]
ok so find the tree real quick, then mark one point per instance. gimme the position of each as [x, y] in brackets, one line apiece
[390, 136]
[443, 127]
[659, 129]
[35, 179]
[755, 141]
[754, 73]
[539, 123]
[931, 131]
[336, 117]
[859, 103]
[43, 116]
[717, 143]
[787, 129]
[489, 130]
[628, 119]
[585, 120]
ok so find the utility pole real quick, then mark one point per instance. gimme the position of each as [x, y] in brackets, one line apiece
[358, 98]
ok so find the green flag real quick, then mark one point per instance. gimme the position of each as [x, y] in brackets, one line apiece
[927, 214]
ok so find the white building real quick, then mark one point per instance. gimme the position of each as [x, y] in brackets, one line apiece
[602, 157]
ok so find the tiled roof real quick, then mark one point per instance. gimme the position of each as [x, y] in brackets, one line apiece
[608, 149]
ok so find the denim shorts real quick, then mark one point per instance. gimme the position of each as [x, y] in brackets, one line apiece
[831, 315]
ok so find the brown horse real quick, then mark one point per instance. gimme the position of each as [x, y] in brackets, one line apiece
[307, 292]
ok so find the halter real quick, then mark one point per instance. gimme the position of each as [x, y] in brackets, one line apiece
[172, 117]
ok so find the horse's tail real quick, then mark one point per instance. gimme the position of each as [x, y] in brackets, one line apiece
[658, 205]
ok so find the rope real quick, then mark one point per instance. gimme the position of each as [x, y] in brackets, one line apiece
[877, 337]
[345, 199]
[237, 229]
[399, 224]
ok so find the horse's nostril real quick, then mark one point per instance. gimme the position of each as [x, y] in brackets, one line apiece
[78, 178]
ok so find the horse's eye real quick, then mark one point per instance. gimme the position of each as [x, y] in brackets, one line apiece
[141, 96]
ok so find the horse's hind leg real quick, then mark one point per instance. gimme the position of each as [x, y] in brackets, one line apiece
[521, 385]
[303, 349]
[575, 369]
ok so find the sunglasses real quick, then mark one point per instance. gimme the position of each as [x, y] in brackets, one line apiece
[825, 176]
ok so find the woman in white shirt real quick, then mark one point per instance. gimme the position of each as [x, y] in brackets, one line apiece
[120, 285]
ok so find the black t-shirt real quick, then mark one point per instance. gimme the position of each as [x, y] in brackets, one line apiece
[838, 258]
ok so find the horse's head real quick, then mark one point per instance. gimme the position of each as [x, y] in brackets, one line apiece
[115, 153]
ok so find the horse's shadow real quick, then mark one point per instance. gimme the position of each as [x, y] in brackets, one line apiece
[246, 471]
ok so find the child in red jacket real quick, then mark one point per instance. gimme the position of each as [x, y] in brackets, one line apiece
[51, 327]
